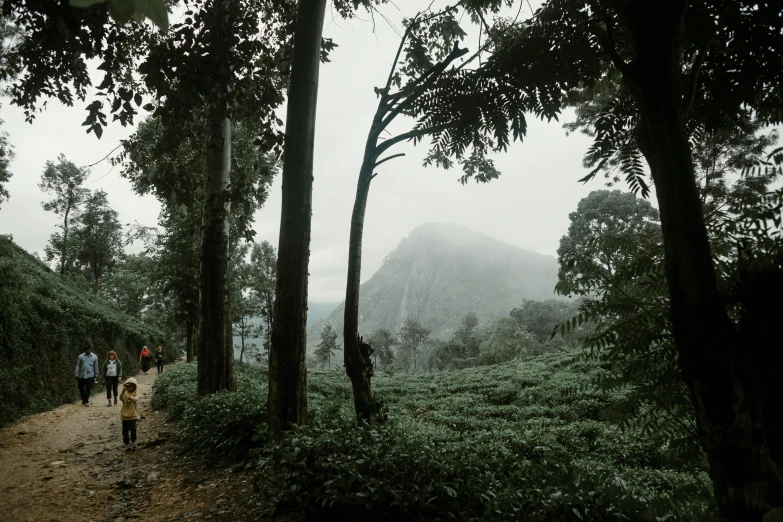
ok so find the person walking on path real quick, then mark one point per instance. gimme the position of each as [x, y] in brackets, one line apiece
[86, 373]
[112, 376]
[145, 359]
[159, 359]
[129, 414]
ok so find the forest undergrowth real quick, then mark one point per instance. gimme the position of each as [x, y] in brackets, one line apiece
[520, 440]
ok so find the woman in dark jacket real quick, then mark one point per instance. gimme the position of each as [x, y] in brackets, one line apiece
[159, 359]
[145, 359]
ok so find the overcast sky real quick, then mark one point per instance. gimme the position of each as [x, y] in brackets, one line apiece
[528, 206]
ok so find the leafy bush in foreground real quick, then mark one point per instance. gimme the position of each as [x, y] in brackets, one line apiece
[219, 426]
[507, 442]
[337, 471]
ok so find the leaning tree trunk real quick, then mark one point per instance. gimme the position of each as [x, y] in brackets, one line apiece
[718, 367]
[287, 371]
[358, 365]
[216, 350]
[358, 354]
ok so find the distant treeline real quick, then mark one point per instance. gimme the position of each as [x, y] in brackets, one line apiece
[527, 330]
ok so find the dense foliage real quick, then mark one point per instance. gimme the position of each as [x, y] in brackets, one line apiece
[220, 425]
[44, 323]
[613, 254]
[527, 330]
[502, 442]
[6, 155]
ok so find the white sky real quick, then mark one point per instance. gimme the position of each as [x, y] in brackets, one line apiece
[528, 206]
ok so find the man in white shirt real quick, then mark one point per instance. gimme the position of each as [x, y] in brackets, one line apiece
[86, 373]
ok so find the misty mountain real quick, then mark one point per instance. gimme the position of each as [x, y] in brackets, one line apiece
[318, 311]
[439, 273]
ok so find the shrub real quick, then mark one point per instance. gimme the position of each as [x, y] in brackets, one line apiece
[505, 442]
[220, 426]
[338, 471]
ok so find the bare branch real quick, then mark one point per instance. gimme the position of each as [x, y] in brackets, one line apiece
[384, 160]
[416, 133]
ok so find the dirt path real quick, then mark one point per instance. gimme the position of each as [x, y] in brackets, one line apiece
[69, 464]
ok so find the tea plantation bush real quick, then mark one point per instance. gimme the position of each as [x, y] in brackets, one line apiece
[220, 426]
[44, 323]
[516, 441]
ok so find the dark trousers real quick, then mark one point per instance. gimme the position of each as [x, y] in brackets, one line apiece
[85, 387]
[129, 431]
[160, 366]
[111, 386]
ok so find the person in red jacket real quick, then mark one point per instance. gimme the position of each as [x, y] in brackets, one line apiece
[145, 358]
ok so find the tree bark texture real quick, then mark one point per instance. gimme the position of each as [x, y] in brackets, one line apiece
[287, 371]
[216, 350]
[726, 372]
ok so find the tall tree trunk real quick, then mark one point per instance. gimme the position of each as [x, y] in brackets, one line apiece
[287, 371]
[189, 341]
[242, 338]
[216, 350]
[357, 365]
[64, 253]
[717, 366]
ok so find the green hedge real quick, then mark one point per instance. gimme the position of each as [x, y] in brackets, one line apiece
[515, 441]
[44, 323]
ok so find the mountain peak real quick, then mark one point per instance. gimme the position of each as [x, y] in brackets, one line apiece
[442, 271]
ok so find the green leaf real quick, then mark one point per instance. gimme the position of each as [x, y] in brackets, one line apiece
[84, 3]
[121, 10]
[156, 11]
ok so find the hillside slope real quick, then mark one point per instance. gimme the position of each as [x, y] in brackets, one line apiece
[439, 273]
[44, 323]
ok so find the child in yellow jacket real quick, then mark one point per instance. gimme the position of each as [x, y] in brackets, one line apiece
[129, 414]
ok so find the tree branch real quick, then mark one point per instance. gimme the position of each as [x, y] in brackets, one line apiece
[415, 22]
[698, 62]
[384, 160]
[606, 42]
[416, 133]
[422, 83]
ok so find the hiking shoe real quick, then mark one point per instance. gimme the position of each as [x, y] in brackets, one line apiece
[115, 400]
[133, 446]
[108, 402]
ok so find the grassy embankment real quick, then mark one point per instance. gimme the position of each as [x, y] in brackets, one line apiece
[44, 323]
